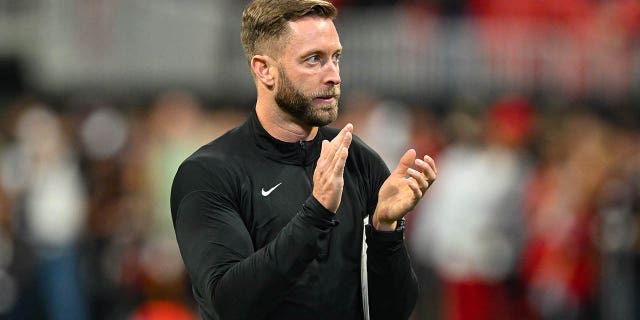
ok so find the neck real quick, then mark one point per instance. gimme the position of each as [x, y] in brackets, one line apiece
[281, 125]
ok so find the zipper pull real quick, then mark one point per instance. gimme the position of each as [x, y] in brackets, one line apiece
[303, 146]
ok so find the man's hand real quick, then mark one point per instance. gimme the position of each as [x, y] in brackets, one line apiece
[328, 179]
[403, 189]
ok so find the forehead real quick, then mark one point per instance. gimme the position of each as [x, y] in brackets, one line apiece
[312, 33]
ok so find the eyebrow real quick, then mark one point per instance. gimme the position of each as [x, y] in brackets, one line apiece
[312, 52]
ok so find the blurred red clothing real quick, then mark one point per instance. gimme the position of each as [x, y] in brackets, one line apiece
[559, 256]
[163, 310]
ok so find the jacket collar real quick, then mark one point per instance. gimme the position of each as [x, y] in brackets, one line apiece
[295, 153]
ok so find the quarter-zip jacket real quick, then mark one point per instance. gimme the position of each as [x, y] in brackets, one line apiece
[257, 245]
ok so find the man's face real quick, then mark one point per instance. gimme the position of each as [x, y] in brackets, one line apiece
[308, 86]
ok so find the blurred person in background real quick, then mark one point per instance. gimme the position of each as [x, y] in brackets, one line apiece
[428, 136]
[127, 159]
[41, 176]
[560, 259]
[618, 236]
[111, 246]
[174, 127]
[16, 257]
[270, 217]
[470, 229]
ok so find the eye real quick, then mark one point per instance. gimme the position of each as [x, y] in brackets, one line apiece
[314, 59]
[336, 57]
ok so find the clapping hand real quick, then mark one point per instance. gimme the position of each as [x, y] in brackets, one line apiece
[403, 189]
[328, 179]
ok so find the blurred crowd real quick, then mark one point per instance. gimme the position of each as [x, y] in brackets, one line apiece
[534, 214]
[85, 227]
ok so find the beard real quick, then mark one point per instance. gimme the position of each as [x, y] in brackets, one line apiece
[302, 108]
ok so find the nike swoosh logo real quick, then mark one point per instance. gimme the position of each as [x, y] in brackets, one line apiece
[268, 192]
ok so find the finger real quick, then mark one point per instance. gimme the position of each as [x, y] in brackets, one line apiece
[346, 142]
[340, 156]
[338, 168]
[334, 144]
[415, 188]
[431, 177]
[427, 169]
[420, 179]
[431, 163]
[433, 173]
[338, 140]
[325, 151]
[406, 161]
[347, 137]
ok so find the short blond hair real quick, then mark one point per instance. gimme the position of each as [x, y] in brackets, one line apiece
[264, 22]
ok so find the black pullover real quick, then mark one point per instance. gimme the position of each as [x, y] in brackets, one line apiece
[258, 245]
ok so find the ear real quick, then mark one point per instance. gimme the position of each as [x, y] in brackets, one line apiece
[264, 69]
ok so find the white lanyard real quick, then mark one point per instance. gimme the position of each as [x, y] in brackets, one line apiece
[363, 273]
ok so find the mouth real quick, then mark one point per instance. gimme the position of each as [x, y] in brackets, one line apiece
[325, 99]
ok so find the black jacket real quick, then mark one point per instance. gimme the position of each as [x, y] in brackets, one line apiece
[257, 245]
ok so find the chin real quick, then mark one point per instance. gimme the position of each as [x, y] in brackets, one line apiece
[322, 118]
[328, 118]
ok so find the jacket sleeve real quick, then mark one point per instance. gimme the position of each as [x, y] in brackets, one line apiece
[393, 286]
[230, 278]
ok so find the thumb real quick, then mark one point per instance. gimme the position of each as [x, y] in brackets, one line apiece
[406, 161]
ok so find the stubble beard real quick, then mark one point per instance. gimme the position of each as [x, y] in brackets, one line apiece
[302, 108]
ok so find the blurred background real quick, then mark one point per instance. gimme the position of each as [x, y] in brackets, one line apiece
[530, 107]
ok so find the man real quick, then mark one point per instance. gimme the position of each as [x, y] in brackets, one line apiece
[269, 217]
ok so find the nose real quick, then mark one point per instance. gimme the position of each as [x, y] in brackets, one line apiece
[332, 73]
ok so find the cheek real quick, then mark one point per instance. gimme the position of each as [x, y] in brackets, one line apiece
[304, 80]
[299, 86]
[307, 84]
